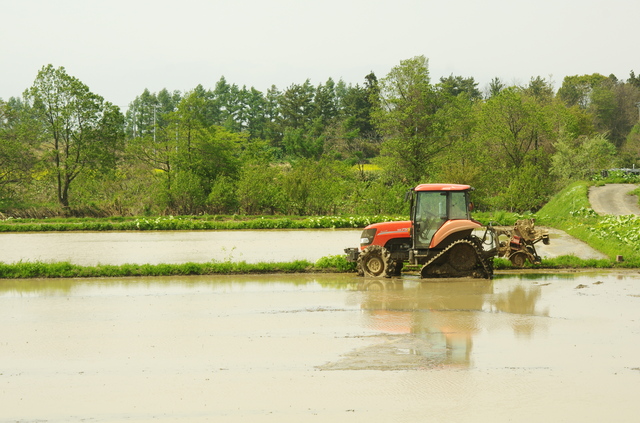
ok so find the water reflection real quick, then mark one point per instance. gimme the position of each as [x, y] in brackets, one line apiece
[45, 287]
[439, 319]
[538, 276]
[521, 300]
[412, 323]
[94, 286]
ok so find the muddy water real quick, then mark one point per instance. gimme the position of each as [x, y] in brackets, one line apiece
[91, 248]
[523, 347]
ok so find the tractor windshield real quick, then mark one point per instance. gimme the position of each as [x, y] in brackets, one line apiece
[432, 209]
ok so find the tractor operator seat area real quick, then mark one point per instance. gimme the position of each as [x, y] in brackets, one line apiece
[433, 209]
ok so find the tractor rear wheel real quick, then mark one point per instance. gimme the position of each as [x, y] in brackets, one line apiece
[375, 261]
[463, 257]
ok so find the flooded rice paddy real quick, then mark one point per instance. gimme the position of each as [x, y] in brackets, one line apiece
[523, 347]
[172, 247]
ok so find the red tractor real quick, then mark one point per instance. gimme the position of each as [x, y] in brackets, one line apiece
[440, 237]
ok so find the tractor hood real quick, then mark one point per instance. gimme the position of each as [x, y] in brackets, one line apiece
[387, 227]
[380, 233]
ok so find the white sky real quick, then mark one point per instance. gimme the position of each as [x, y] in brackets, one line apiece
[120, 47]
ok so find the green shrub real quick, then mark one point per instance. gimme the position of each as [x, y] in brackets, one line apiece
[23, 270]
[337, 262]
[193, 223]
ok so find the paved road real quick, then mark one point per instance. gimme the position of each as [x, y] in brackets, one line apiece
[564, 244]
[614, 199]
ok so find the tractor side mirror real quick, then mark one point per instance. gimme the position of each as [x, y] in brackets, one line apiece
[407, 195]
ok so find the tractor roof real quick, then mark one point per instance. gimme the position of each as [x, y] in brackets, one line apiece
[442, 187]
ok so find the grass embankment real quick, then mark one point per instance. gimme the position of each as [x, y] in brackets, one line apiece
[188, 223]
[23, 270]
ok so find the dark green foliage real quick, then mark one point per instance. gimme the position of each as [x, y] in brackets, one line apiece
[18, 136]
[412, 117]
[457, 85]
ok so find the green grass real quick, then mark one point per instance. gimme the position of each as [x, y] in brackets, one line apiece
[24, 270]
[564, 262]
[570, 203]
[190, 223]
[335, 264]
[636, 192]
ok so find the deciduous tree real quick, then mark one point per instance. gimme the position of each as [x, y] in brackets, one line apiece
[582, 158]
[513, 124]
[81, 129]
[408, 119]
[577, 89]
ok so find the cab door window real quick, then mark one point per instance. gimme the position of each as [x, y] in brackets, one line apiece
[430, 214]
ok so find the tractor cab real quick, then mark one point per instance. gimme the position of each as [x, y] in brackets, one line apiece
[435, 205]
[440, 217]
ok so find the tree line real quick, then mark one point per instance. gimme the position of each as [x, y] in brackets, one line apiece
[331, 148]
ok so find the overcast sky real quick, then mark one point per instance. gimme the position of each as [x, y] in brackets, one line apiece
[120, 47]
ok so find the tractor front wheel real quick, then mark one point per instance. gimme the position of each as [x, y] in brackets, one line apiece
[375, 261]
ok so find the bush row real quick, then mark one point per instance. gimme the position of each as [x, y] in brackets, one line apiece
[187, 223]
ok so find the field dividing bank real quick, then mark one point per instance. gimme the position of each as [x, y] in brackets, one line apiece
[329, 264]
[190, 223]
[68, 270]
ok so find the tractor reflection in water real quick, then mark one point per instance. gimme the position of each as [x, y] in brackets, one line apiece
[432, 325]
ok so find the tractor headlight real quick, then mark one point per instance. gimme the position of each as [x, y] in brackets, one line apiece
[367, 237]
